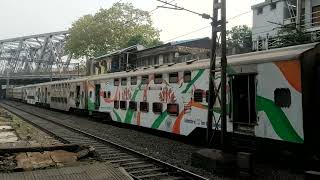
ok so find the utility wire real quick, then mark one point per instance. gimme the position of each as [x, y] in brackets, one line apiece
[197, 30]
[160, 7]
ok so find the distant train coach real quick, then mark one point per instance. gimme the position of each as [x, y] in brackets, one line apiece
[272, 95]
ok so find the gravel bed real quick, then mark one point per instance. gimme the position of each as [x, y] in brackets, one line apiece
[171, 151]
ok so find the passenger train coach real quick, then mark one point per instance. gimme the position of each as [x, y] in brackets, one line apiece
[272, 95]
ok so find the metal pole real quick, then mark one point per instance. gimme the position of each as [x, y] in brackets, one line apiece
[212, 74]
[298, 15]
[8, 82]
[223, 75]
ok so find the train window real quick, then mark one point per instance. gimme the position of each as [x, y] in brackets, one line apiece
[134, 80]
[207, 95]
[197, 95]
[157, 107]
[116, 104]
[282, 97]
[173, 109]
[116, 82]
[158, 78]
[144, 79]
[187, 76]
[65, 100]
[133, 105]
[173, 77]
[109, 94]
[144, 106]
[123, 81]
[123, 105]
[104, 94]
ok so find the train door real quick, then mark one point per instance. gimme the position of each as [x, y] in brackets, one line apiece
[243, 103]
[45, 95]
[310, 79]
[77, 96]
[97, 96]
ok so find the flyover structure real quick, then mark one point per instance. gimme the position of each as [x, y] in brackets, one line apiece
[35, 57]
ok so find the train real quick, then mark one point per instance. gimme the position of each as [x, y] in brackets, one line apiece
[272, 96]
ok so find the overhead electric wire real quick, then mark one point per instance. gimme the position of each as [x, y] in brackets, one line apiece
[197, 30]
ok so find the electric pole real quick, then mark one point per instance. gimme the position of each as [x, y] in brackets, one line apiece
[217, 91]
[298, 15]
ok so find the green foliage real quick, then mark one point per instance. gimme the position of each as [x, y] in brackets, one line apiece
[239, 38]
[289, 36]
[111, 29]
[140, 39]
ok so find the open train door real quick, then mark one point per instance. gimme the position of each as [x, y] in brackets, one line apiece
[310, 78]
[97, 95]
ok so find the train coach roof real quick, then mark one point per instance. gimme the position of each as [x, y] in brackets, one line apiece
[57, 82]
[287, 53]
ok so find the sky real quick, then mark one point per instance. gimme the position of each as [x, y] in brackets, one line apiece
[27, 17]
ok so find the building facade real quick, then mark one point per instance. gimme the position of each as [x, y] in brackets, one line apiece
[271, 16]
[140, 57]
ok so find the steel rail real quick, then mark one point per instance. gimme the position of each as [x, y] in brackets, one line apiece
[118, 146]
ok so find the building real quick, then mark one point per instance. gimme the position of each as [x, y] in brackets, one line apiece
[173, 52]
[116, 61]
[138, 56]
[270, 16]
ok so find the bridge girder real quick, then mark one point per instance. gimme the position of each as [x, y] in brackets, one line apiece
[34, 54]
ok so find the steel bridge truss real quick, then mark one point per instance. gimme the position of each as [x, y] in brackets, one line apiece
[35, 54]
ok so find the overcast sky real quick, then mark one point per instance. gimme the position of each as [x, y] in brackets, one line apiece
[27, 17]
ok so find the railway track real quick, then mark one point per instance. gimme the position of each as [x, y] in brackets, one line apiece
[138, 165]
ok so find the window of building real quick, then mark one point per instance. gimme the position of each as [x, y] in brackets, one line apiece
[116, 104]
[133, 105]
[316, 15]
[134, 80]
[173, 77]
[90, 94]
[187, 76]
[157, 107]
[123, 81]
[144, 79]
[158, 79]
[144, 106]
[273, 6]
[116, 82]
[71, 94]
[123, 105]
[104, 94]
[173, 109]
[260, 11]
[197, 95]
[282, 97]
[109, 94]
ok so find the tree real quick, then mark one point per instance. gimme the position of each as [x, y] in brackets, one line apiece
[289, 35]
[111, 29]
[239, 39]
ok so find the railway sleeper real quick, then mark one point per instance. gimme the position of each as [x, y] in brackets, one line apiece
[152, 175]
[123, 160]
[117, 157]
[146, 170]
[134, 163]
[139, 166]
